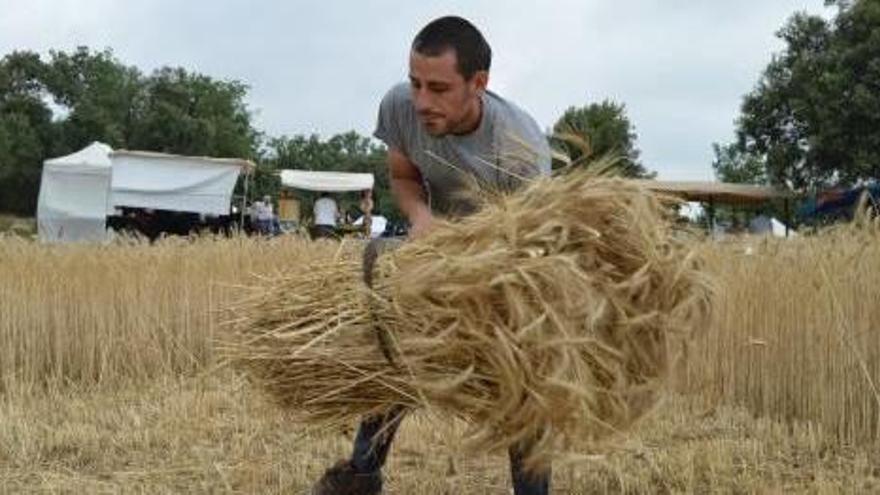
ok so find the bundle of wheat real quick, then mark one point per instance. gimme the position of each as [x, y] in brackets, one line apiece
[553, 314]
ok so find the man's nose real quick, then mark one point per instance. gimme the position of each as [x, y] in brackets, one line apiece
[421, 99]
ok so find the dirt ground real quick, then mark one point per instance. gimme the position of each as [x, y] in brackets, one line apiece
[216, 435]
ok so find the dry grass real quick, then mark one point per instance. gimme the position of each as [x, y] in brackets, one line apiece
[551, 316]
[128, 311]
[18, 226]
[218, 436]
[796, 333]
[108, 385]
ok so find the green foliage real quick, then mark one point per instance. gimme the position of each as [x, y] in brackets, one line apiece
[98, 93]
[26, 131]
[732, 164]
[814, 117]
[265, 181]
[599, 129]
[192, 114]
[97, 98]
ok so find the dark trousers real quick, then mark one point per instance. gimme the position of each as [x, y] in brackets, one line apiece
[323, 232]
[376, 434]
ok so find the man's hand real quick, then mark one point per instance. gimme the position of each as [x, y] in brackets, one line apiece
[406, 184]
[421, 224]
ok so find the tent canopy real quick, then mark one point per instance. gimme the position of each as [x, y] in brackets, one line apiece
[93, 159]
[719, 192]
[78, 191]
[765, 225]
[173, 182]
[74, 196]
[326, 181]
[377, 226]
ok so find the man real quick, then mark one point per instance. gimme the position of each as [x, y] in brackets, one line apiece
[265, 215]
[447, 136]
[326, 214]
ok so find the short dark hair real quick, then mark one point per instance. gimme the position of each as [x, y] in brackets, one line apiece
[455, 33]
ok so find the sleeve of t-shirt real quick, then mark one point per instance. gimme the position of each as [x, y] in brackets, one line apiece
[388, 129]
[524, 153]
[544, 159]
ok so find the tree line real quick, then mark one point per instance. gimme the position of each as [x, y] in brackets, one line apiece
[56, 104]
[813, 119]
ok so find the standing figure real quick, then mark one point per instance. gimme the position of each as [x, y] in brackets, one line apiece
[326, 214]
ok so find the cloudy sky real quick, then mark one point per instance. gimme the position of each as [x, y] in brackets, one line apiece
[681, 67]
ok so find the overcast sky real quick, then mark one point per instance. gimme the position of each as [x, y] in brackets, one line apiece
[681, 67]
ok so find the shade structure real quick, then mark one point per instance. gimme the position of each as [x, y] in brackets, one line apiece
[718, 192]
[74, 196]
[326, 181]
[174, 182]
[78, 191]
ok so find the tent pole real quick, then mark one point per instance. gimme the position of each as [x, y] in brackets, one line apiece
[711, 217]
[787, 216]
[247, 177]
[367, 208]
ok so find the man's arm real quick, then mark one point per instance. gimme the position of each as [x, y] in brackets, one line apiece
[337, 213]
[406, 185]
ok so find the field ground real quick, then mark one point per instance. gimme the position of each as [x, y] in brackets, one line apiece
[109, 382]
[17, 225]
[213, 435]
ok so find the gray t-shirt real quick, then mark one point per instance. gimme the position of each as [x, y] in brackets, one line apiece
[507, 146]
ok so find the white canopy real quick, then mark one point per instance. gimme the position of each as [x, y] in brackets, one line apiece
[173, 182]
[79, 190]
[764, 225]
[75, 196]
[377, 225]
[326, 181]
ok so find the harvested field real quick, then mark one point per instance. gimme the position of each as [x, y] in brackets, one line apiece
[796, 332]
[216, 436]
[548, 321]
[109, 381]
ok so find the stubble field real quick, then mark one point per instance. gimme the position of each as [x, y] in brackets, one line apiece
[109, 381]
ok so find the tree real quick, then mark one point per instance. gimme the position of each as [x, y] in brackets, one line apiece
[192, 114]
[26, 131]
[814, 117]
[98, 94]
[600, 129]
[100, 99]
[732, 164]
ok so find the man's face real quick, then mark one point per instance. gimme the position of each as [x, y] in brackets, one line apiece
[446, 103]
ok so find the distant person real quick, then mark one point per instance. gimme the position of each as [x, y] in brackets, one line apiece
[367, 210]
[251, 212]
[326, 214]
[265, 215]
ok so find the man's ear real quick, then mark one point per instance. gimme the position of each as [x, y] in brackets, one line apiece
[480, 80]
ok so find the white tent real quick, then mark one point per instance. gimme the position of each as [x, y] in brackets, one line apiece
[75, 196]
[377, 226]
[764, 225]
[173, 182]
[326, 181]
[78, 191]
